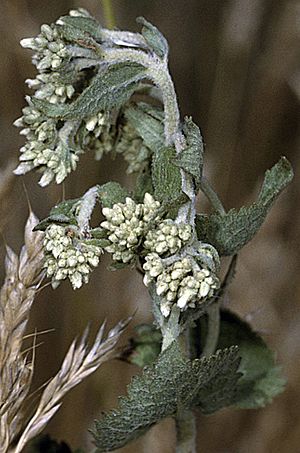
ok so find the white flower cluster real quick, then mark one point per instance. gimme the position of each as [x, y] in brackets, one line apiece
[68, 257]
[56, 163]
[51, 87]
[50, 50]
[36, 126]
[126, 224]
[184, 283]
[98, 135]
[48, 147]
[168, 237]
[131, 146]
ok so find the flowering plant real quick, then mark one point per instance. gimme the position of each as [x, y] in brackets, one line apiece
[111, 92]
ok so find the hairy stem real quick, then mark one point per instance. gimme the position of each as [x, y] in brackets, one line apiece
[157, 71]
[213, 332]
[212, 196]
[109, 13]
[186, 432]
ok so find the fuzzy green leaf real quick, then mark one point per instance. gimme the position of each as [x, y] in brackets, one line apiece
[228, 233]
[80, 27]
[63, 213]
[110, 88]
[144, 347]
[143, 184]
[112, 193]
[220, 390]
[191, 158]
[261, 380]
[171, 384]
[148, 122]
[166, 177]
[154, 38]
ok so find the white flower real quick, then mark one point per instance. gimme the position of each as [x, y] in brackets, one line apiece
[131, 146]
[182, 283]
[50, 50]
[55, 162]
[126, 224]
[168, 237]
[68, 257]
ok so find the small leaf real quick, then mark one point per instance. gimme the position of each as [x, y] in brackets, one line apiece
[80, 26]
[65, 208]
[97, 242]
[98, 233]
[191, 158]
[276, 179]
[110, 88]
[171, 384]
[148, 122]
[144, 347]
[154, 38]
[228, 233]
[116, 266]
[63, 214]
[260, 381]
[143, 184]
[166, 177]
[112, 193]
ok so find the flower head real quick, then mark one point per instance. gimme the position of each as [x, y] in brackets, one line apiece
[183, 283]
[168, 237]
[67, 256]
[126, 224]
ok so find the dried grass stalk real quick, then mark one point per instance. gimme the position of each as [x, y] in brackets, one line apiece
[78, 363]
[7, 178]
[23, 275]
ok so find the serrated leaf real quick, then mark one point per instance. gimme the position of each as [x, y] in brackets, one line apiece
[166, 177]
[228, 233]
[276, 179]
[110, 88]
[220, 390]
[111, 193]
[170, 385]
[148, 122]
[261, 380]
[154, 38]
[191, 158]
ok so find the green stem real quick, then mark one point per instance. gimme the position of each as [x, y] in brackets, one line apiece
[185, 432]
[212, 196]
[157, 71]
[213, 332]
[109, 14]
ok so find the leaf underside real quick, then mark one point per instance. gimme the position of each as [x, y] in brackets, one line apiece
[261, 380]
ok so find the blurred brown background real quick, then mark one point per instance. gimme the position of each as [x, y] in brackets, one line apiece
[236, 69]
